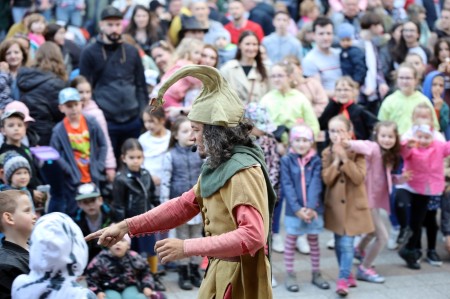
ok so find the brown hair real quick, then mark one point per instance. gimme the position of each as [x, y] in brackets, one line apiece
[408, 66]
[208, 46]
[306, 7]
[78, 80]
[8, 43]
[33, 18]
[158, 113]
[8, 203]
[174, 130]
[391, 157]
[49, 58]
[259, 63]
[348, 124]
[348, 80]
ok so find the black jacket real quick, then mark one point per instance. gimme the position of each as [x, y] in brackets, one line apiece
[117, 77]
[353, 64]
[363, 121]
[14, 262]
[133, 194]
[107, 220]
[264, 17]
[39, 91]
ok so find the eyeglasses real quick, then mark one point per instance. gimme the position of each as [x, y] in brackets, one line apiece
[277, 76]
[343, 90]
[405, 78]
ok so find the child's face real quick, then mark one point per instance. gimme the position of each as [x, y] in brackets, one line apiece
[281, 23]
[153, 124]
[196, 55]
[14, 56]
[345, 42]
[209, 57]
[406, 81]
[377, 29]
[313, 14]
[85, 91]
[417, 63]
[279, 78]
[120, 248]
[133, 159]
[422, 113]
[20, 178]
[38, 27]
[386, 137]
[14, 129]
[91, 206]
[338, 131]
[344, 92]
[423, 139]
[444, 51]
[437, 86]
[60, 36]
[72, 110]
[301, 145]
[184, 134]
[221, 42]
[24, 217]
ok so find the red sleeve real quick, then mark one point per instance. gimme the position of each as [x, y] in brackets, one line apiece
[166, 216]
[248, 238]
[259, 32]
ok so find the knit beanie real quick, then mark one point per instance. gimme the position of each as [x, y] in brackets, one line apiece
[346, 30]
[12, 163]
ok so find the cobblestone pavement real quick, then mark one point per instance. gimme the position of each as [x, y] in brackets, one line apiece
[428, 283]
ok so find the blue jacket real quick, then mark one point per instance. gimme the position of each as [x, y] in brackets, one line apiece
[353, 64]
[426, 89]
[60, 141]
[291, 184]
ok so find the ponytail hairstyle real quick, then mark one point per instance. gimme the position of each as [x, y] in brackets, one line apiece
[391, 157]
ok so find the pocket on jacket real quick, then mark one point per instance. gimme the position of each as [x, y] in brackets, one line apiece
[361, 203]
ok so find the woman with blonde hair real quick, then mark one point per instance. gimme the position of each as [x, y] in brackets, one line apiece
[39, 86]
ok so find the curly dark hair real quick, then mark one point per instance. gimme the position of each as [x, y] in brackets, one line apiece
[219, 141]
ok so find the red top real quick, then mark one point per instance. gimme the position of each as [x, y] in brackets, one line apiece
[249, 25]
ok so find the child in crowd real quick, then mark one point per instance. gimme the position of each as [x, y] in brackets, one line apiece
[92, 214]
[14, 130]
[382, 156]
[227, 50]
[301, 185]
[353, 61]
[434, 89]
[398, 107]
[424, 157]
[416, 61]
[134, 194]
[189, 51]
[58, 256]
[155, 142]
[16, 223]
[36, 28]
[90, 108]
[181, 171]
[347, 212]
[82, 147]
[344, 103]
[120, 273]
[17, 173]
[309, 11]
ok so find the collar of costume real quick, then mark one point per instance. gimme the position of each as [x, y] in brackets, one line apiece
[217, 104]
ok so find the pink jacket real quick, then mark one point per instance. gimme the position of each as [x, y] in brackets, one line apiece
[427, 166]
[91, 109]
[174, 96]
[378, 178]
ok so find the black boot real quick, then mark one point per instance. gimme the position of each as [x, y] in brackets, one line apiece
[183, 279]
[159, 286]
[196, 278]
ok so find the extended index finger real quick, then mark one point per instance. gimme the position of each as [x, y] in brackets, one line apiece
[95, 235]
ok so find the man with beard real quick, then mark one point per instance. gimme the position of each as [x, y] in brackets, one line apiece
[241, 23]
[233, 194]
[116, 74]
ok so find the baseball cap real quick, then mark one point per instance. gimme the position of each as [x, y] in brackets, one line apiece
[68, 94]
[20, 107]
[10, 113]
[110, 12]
[88, 190]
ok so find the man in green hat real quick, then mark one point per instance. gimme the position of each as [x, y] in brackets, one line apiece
[233, 193]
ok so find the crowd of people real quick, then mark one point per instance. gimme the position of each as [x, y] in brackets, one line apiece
[348, 100]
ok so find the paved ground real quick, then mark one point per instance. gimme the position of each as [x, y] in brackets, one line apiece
[427, 283]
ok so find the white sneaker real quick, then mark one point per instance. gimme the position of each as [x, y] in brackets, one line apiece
[277, 243]
[392, 242]
[330, 243]
[302, 245]
[274, 282]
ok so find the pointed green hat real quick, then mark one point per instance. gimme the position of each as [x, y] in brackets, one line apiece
[217, 104]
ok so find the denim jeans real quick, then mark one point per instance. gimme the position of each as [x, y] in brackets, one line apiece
[277, 216]
[69, 15]
[344, 253]
[18, 13]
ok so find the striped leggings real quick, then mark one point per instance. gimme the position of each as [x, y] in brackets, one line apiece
[289, 252]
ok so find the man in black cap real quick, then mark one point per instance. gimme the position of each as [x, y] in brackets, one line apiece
[116, 74]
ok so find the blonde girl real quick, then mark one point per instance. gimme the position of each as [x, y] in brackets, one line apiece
[347, 212]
